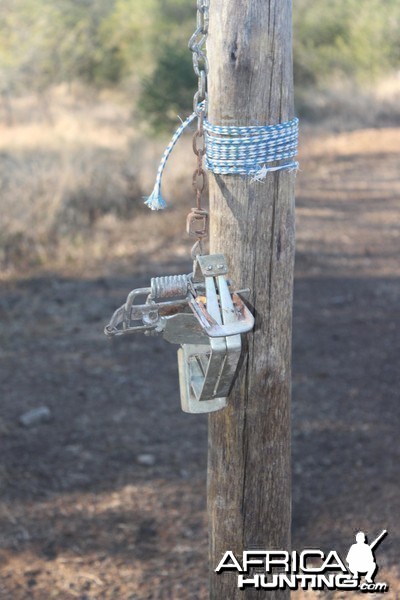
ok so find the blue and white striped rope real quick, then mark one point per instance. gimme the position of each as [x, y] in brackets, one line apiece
[251, 150]
[155, 201]
[231, 150]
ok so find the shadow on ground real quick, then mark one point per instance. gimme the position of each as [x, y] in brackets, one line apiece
[107, 500]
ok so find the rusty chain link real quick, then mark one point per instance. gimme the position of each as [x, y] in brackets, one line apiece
[197, 219]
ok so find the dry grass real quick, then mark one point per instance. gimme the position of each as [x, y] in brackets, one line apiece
[72, 177]
[75, 167]
[347, 106]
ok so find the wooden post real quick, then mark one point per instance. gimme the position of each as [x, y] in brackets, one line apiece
[249, 498]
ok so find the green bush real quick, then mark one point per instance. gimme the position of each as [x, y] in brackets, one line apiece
[351, 38]
[111, 42]
[169, 90]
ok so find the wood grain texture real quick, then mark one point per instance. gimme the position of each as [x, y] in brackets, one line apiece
[249, 497]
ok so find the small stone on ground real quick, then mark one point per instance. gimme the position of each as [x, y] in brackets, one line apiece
[35, 416]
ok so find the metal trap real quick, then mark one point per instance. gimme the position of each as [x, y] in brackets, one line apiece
[201, 313]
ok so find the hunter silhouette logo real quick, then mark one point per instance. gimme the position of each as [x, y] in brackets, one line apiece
[360, 557]
[309, 569]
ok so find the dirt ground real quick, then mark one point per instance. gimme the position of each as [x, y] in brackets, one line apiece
[107, 499]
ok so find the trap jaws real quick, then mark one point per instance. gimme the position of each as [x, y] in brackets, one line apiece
[199, 312]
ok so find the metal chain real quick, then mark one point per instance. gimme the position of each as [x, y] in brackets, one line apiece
[197, 220]
[197, 45]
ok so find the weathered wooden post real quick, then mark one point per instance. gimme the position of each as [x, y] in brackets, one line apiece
[253, 225]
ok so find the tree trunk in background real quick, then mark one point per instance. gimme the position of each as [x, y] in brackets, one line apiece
[253, 224]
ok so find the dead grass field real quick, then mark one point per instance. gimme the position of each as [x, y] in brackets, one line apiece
[72, 180]
[82, 516]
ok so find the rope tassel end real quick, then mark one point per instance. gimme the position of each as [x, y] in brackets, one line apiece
[155, 201]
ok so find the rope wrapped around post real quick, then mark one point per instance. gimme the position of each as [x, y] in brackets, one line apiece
[253, 150]
[230, 150]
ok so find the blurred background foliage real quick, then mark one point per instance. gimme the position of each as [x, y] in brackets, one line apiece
[141, 48]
